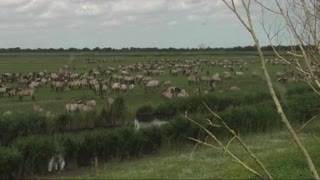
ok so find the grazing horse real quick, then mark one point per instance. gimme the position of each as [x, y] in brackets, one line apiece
[72, 107]
[25, 92]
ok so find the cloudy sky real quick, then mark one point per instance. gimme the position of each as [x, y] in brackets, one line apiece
[119, 23]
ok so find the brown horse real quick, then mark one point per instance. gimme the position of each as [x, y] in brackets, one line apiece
[25, 92]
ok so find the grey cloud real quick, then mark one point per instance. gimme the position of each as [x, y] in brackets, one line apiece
[13, 3]
[46, 18]
[36, 10]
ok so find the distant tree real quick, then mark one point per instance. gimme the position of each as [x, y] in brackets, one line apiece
[86, 49]
[202, 46]
[107, 49]
[96, 49]
[72, 49]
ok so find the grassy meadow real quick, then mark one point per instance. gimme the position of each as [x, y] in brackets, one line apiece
[52, 62]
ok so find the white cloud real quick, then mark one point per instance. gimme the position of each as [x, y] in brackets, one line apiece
[66, 15]
[28, 7]
[88, 9]
[220, 3]
[136, 6]
[109, 10]
[186, 4]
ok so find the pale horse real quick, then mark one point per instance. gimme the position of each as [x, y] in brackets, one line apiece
[56, 163]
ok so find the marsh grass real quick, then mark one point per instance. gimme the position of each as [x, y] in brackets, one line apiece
[275, 149]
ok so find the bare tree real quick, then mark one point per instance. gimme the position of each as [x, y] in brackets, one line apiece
[225, 148]
[301, 24]
[300, 19]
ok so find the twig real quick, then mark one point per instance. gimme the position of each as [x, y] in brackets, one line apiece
[252, 155]
[227, 146]
[194, 148]
[291, 25]
[224, 148]
[314, 117]
[204, 143]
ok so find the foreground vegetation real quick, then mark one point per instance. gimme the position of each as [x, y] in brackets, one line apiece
[275, 149]
[247, 114]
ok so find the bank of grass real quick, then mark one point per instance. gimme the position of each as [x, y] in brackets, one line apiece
[276, 150]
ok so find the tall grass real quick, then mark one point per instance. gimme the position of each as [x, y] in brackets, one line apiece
[10, 159]
[249, 113]
[145, 113]
[36, 152]
[21, 124]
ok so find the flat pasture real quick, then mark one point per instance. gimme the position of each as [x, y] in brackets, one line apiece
[53, 101]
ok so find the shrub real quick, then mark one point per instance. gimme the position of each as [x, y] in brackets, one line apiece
[19, 124]
[72, 145]
[10, 159]
[193, 104]
[166, 109]
[145, 113]
[36, 152]
[152, 140]
[77, 121]
[105, 116]
[302, 107]
[90, 119]
[87, 148]
[125, 141]
[180, 128]
[217, 103]
[119, 143]
[118, 111]
[62, 122]
[298, 88]
[257, 118]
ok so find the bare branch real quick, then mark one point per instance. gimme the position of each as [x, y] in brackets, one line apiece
[213, 125]
[204, 143]
[267, 8]
[305, 124]
[194, 148]
[233, 8]
[291, 26]
[237, 137]
[224, 148]
[227, 146]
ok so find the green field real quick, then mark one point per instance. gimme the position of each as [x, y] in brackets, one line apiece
[263, 133]
[51, 62]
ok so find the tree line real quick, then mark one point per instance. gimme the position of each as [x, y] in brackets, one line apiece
[147, 49]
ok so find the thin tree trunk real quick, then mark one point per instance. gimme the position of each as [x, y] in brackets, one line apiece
[250, 28]
[281, 112]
